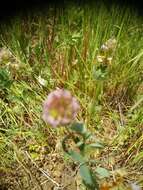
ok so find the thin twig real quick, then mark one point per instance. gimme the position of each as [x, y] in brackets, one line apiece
[28, 172]
[121, 115]
[45, 173]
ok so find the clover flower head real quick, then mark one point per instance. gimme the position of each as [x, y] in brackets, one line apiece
[109, 45]
[60, 108]
[4, 54]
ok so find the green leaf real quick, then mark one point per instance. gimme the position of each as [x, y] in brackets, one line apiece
[34, 155]
[77, 156]
[80, 144]
[89, 179]
[102, 172]
[78, 127]
[99, 73]
[95, 145]
[86, 174]
[138, 157]
[87, 135]
[5, 81]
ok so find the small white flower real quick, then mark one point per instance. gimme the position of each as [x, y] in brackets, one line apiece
[134, 186]
[109, 45]
[104, 47]
[109, 58]
[42, 81]
[100, 58]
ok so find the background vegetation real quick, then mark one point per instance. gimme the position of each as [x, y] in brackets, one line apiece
[58, 47]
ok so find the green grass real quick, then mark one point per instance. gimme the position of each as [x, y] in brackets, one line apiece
[61, 46]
